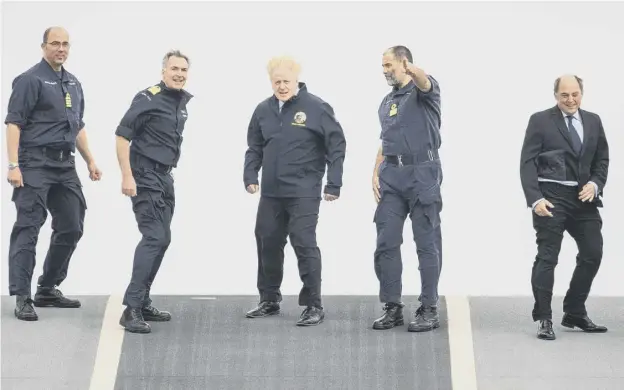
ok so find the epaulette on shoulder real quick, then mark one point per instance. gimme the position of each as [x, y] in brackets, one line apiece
[154, 89]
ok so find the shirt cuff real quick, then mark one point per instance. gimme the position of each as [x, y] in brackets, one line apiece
[536, 202]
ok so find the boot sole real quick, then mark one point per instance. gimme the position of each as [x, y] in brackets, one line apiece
[262, 316]
[156, 319]
[22, 318]
[307, 324]
[56, 304]
[137, 331]
[424, 329]
[400, 322]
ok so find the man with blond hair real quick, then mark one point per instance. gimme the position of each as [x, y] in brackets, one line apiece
[292, 136]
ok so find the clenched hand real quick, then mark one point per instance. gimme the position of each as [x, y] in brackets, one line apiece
[128, 186]
[542, 208]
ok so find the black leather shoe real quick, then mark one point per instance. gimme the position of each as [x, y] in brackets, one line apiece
[583, 323]
[150, 313]
[53, 297]
[132, 320]
[427, 318]
[24, 310]
[264, 309]
[392, 317]
[311, 316]
[545, 330]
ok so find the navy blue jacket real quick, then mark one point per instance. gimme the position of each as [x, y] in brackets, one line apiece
[293, 146]
[47, 106]
[154, 123]
[411, 120]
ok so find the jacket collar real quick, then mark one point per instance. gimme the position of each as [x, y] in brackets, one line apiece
[48, 70]
[183, 91]
[396, 90]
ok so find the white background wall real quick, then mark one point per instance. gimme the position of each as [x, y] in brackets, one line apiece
[496, 63]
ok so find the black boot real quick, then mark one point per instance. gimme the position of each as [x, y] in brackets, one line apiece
[312, 315]
[427, 318]
[132, 320]
[264, 309]
[392, 317]
[150, 313]
[53, 297]
[24, 310]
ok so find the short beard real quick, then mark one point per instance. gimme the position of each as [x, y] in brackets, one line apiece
[392, 81]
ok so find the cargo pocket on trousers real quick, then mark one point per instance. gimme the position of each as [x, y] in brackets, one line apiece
[30, 203]
[431, 202]
[148, 206]
[77, 190]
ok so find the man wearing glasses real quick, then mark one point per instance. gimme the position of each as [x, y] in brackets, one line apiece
[44, 127]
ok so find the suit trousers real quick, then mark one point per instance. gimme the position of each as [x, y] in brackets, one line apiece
[277, 219]
[583, 223]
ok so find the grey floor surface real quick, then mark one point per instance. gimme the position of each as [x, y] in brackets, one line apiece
[210, 345]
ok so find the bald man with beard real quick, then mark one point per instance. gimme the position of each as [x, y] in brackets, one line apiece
[563, 170]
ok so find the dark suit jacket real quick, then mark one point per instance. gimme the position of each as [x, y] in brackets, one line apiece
[547, 152]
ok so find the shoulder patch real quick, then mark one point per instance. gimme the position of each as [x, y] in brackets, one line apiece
[154, 89]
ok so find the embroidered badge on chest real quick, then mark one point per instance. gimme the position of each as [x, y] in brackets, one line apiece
[299, 119]
[393, 110]
[68, 100]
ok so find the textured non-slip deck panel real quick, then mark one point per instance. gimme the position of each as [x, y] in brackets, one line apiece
[209, 344]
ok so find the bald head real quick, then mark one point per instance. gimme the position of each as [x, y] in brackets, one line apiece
[54, 30]
[55, 46]
[568, 93]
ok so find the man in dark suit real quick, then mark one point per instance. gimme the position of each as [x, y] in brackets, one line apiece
[563, 170]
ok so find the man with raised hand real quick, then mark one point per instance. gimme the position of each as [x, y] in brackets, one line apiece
[407, 180]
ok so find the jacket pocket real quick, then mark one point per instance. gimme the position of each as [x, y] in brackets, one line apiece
[551, 165]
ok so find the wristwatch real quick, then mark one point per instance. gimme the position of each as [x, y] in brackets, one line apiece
[13, 165]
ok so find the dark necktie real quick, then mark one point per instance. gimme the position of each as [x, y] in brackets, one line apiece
[576, 140]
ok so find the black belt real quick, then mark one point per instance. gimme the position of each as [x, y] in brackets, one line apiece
[153, 165]
[56, 154]
[162, 168]
[138, 161]
[412, 159]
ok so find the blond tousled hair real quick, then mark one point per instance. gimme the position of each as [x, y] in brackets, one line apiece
[283, 62]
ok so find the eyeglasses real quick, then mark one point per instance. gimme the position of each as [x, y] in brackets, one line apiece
[57, 44]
